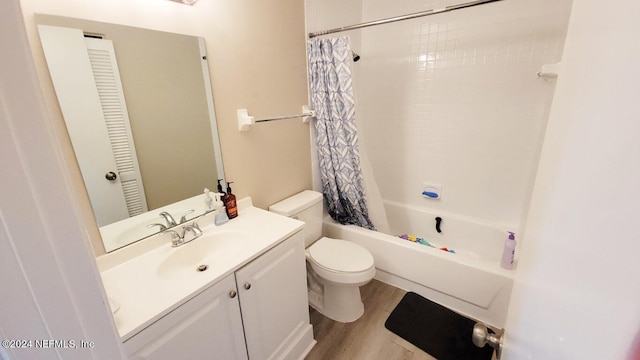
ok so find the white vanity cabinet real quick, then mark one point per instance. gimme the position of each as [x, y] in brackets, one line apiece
[260, 311]
[209, 326]
[274, 302]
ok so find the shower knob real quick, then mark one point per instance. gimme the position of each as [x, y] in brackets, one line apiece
[111, 176]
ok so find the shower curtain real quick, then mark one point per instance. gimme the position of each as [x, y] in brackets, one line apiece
[336, 133]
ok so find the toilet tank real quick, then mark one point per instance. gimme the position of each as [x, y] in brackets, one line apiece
[305, 206]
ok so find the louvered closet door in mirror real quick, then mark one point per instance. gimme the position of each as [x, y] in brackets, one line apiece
[114, 108]
[95, 115]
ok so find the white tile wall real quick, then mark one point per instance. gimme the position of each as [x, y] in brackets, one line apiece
[453, 99]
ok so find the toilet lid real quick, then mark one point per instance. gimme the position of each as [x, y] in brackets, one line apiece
[340, 255]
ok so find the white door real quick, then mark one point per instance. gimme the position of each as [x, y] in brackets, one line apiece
[106, 75]
[577, 287]
[90, 115]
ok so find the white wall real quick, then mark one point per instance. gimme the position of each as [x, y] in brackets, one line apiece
[328, 14]
[577, 291]
[51, 287]
[453, 99]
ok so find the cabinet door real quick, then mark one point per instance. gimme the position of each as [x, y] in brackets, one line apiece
[273, 298]
[208, 326]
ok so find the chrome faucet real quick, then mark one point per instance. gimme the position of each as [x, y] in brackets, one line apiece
[183, 219]
[178, 239]
[171, 222]
[194, 228]
[162, 226]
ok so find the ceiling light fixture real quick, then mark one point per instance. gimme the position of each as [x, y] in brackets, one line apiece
[186, 2]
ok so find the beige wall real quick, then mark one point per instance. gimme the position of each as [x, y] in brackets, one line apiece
[257, 61]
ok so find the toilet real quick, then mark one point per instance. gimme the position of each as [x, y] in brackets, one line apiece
[335, 268]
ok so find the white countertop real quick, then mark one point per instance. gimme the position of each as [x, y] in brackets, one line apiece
[131, 279]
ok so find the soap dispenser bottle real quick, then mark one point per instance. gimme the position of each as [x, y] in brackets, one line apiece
[220, 212]
[230, 202]
[208, 201]
[220, 187]
[509, 251]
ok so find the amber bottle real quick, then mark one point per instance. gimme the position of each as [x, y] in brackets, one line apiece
[230, 202]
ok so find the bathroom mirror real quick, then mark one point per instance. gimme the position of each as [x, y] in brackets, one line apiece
[138, 108]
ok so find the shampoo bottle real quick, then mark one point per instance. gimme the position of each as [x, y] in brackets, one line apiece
[230, 202]
[508, 252]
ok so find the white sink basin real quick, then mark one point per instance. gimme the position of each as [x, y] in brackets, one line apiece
[206, 252]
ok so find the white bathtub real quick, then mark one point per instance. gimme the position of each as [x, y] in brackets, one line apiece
[470, 281]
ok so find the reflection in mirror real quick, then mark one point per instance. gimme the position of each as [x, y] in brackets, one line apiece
[138, 108]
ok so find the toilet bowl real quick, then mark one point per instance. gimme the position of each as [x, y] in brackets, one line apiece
[341, 267]
[335, 268]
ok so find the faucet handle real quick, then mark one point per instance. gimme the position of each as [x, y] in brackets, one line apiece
[194, 228]
[183, 219]
[162, 227]
[176, 239]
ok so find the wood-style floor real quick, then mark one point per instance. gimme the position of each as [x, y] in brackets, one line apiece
[365, 338]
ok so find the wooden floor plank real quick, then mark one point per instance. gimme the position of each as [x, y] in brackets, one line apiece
[365, 338]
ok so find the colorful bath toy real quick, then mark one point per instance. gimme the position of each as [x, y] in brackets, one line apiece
[422, 241]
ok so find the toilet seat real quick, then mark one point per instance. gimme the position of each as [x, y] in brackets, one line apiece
[340, 261]
[340, 255]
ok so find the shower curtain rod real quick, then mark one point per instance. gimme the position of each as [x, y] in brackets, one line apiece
[403, 17]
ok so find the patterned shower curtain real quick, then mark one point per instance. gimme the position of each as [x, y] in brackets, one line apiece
[337, 137]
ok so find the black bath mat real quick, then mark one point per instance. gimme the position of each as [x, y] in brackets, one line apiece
[435, 329]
